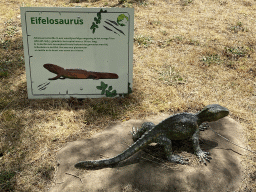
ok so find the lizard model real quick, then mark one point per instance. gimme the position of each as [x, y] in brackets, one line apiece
[77, 73]
[176, 127]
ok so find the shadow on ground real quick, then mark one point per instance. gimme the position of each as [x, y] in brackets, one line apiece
[142, 173]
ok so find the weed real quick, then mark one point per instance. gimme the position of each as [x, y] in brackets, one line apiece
[10, 29]
[238, 27]
[143, 40]
[155, 23]
[185, 2]
[223, 3]
[235, 52]
[5, 43]
[193, 42]
[6, 181]
[126, 4]
[164, 33]
[8, 115]
[230, 64]
[247, 3]
[211, 59]
[143, 3]
[3, 73]
[46, 172]
[178, 39]
[171, 77]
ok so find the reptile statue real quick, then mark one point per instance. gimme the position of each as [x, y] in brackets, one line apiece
[77, 73]
[176, 127]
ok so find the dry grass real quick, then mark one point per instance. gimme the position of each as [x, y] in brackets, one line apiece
[187, 54]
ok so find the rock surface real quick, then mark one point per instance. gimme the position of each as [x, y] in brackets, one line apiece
[141, 172]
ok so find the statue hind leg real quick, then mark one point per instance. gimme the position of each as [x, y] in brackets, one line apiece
[137, 133]
[167, 143]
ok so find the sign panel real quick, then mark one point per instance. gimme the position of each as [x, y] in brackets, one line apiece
[78, 52]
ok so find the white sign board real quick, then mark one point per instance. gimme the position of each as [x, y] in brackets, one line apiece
[78, 52]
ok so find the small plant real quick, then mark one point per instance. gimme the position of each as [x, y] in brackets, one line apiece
[46, 172]
[128, 5]
[235, 52]
[193, 42]
[121, 1]
[10, 28]
[171, 77]
[164, 33]
[74, 1]
[211, 59]
[238, 27]
[143, 3]
[142, 40]
[177, 39]
[155, 23]
[230, 64]
[3, 74]
[5, 180]
[97, 20]
[109, 92]
[185, 2]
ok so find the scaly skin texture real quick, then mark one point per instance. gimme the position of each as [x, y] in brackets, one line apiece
[177, 127]
[77, 73]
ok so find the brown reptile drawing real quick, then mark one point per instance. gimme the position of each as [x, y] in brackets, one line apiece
[77, 73]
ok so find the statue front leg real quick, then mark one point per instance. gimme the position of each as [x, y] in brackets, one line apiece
[203, 126]
[202, 155]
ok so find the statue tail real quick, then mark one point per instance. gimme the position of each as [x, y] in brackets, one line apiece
[146, 139]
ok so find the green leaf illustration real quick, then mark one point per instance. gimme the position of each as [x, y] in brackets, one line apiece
[97, 20]
[103, 85]
[120, 18]
[114, 93]
[108, 92]
[99, 87]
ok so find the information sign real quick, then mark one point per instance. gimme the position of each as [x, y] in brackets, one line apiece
[78, 52]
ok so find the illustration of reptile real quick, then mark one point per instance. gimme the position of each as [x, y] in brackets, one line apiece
[77, 73]
[177, 127]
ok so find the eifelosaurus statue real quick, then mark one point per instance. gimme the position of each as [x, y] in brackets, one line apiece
[177, 127]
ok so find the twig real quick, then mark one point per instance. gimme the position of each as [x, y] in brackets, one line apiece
[75, 176]
[231, 141]
[7, 106]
